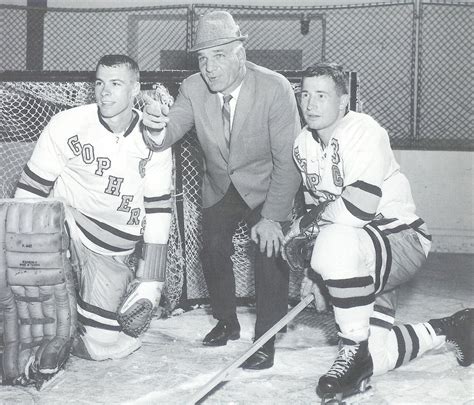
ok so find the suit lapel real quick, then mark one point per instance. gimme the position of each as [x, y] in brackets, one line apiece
[214, 117]
[244, 104]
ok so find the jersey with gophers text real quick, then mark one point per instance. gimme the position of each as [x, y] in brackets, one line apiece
[113, 181]
[356, 174]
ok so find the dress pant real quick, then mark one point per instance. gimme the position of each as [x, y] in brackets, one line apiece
[219, 223]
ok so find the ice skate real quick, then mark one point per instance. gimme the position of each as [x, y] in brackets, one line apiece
[459, 331]
[349, 375]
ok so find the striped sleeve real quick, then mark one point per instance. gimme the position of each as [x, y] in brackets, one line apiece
[157, 197]
[32, 185]
[366, 162]
[361, 199]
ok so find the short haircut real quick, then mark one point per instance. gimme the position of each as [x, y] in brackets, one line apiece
[118, 60]
[332, 70]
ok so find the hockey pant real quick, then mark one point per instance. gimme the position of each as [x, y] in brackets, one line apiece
[103, 281]
[363, 268]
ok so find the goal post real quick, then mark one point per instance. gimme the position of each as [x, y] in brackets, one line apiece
[28, 100]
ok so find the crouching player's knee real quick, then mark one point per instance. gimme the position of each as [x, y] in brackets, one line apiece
[338, 252]
[112, 323]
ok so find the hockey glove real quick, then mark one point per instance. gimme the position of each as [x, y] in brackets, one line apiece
[298, 245]
[313, 284]
[138, 306]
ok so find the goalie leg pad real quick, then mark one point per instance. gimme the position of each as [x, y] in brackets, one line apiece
[104, 281]
[36, 276]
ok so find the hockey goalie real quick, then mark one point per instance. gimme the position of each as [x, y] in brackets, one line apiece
[117, 196]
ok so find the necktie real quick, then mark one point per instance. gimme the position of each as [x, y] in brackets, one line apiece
[226, 118]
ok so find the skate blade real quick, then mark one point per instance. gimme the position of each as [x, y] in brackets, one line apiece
[43, 383]
[362, 394]
[356, 399]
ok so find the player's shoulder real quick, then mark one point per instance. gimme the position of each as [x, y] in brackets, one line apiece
[303, 136]
[75, 115]
[355, 119]
[360, 124]
[360, 131]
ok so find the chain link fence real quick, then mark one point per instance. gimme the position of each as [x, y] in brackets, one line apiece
[413, 61]
[413, 57]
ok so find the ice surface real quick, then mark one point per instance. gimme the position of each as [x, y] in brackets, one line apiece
[172, 363]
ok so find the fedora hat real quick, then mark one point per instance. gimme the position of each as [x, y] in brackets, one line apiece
[216, 28]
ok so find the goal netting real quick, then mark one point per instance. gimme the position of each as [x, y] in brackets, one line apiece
[25, 109]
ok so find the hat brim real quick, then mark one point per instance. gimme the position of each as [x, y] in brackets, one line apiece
[216, 42]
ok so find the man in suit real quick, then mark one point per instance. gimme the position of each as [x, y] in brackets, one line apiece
[246, 120]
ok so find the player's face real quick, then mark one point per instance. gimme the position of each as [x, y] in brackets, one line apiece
[222, 67]
[115, 90]
[320, 104]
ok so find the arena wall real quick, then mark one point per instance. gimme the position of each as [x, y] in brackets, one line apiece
[441, 183]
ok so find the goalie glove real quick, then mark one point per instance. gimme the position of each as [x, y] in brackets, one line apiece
[138, 306]
[298, 245]
[143, 294]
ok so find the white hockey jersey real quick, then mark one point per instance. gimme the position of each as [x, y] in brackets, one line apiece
[356, 174]
[112, 180]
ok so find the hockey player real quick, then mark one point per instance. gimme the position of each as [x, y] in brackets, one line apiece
[118, 195]
[369, 239]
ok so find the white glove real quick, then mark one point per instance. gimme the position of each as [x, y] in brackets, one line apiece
[308, 286]
[140, 302]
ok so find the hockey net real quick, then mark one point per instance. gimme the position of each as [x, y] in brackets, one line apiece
[25, 109]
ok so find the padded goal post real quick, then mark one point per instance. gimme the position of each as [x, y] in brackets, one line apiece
[27, 102]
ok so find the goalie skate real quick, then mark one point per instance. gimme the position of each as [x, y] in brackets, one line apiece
[359, 397]
[45, 381]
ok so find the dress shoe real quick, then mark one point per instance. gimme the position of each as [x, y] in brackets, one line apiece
[222, 332]
[262, 358]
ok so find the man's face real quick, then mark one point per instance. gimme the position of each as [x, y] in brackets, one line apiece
[115, 90]
[320, 104]
[222, 67]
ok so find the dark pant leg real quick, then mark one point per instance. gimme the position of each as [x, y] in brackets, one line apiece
[218, 226]
[271, 290]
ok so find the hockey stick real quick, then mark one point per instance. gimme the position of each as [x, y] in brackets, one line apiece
[221, 376]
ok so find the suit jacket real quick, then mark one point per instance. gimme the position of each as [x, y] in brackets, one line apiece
[259, 160]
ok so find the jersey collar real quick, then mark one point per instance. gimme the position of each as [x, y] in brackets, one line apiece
[129, 129]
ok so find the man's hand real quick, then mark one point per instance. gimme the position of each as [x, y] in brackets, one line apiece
[268, 235]
[155, 114]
